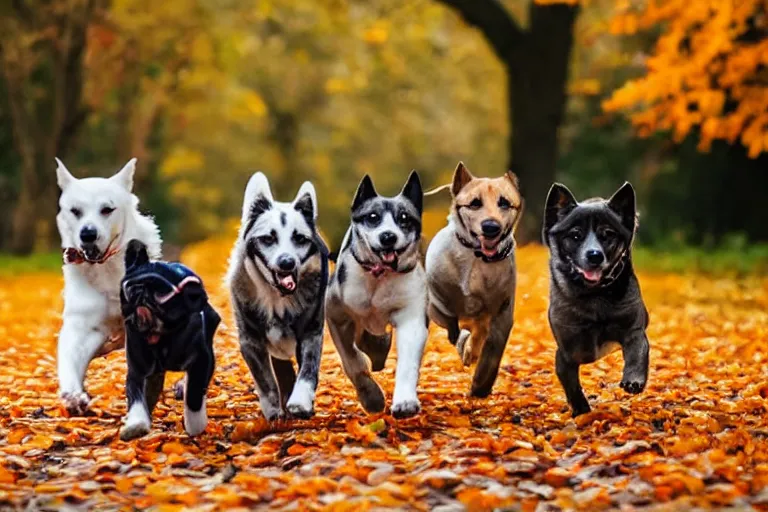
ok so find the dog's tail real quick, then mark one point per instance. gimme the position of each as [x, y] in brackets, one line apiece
[437, 190]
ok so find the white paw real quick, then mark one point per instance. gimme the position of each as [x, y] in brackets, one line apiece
[406, 408]
[270, 408]
[137, 422]
[195, 422]
[76, 403]
[301, 402]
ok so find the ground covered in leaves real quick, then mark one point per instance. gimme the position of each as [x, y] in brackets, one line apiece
[697, 437]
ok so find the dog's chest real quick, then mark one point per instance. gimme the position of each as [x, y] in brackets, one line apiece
[282, 341]
[373, 306]
[482, 286]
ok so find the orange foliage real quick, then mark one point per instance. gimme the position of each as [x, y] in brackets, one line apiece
[708, 70]
[695, 438]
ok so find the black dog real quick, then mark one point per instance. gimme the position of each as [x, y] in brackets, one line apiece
[595, 300]
[169, 326]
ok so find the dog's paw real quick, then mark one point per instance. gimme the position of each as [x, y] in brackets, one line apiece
[178, 388]
[76, 403]
[195, 421]
[370, 395]
[276, 415]
[133, 431]
[632, 386]
[301, 403]
[464, 347]
[299, 411]
[406, 408]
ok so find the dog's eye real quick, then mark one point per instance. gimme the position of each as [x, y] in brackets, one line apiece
[607, 234]
[300, 239]
[107, 211]
[77, 212]
[267, 240]
[504, 204]
[575, 234]
[373, 218]
[476, 204]
[403, 219]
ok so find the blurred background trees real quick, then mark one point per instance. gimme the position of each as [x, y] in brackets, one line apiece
[672, 95]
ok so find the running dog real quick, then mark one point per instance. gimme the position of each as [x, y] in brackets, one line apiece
[595, 301]
[471, 271]
[379, 281]
[169, 326]
[277, 278]
[97, 217]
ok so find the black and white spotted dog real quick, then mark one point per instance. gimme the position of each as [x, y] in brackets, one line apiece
[380, 281]
[277, 277]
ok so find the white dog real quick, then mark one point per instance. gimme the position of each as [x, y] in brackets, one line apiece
[97, 219]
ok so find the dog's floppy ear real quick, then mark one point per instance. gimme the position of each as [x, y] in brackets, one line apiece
[135, 254]
[623, 203]
[461, 176]
[63, 176]
[258, 197]
[124, 176]
[306, 202]
[412, 191]
[365, 191]
[513, 178]
[560, 201]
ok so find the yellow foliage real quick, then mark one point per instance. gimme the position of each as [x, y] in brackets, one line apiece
[707, 71]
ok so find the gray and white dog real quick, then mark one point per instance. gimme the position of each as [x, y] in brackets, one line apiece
[277, 277]
[471, 271]
[595, 301]
[379, 281]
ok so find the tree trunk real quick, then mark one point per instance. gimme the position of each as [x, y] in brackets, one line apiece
[537, 100]
[537, 61]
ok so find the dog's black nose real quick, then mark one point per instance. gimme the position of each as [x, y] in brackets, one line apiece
[595, 257]
[88, 234]
[491, 228]
[388, 239]
[286, 263]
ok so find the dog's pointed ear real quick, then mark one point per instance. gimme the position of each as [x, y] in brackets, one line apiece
[513, 178]
[63, 177]
[412, 191]
[135, 254]
[461, 176]
[365, 191]
[306, 202]
[258, 197]
[124, 176]
[623, 202]
[560, 201]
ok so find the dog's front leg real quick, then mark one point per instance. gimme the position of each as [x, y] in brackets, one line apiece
[301, 404]
[447, 322]
[137, 421]
[257, 357]
[491, 352]
[411, 336]
[635, 349]
[199, 376]
[77, 346]
[354, 362]
[568, 374]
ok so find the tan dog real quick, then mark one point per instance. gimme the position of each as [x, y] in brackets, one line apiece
[471, 271]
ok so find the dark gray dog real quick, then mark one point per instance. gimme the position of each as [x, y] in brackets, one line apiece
[595, 301]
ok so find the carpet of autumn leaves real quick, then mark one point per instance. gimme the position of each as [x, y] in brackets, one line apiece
[697, 437]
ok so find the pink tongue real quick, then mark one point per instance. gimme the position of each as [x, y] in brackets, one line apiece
[488, 252]
[288, 283]
[591, 275]
[388, 257]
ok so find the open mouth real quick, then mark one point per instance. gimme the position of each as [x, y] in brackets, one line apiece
[285, 282]
[91, 252]
[489, 247]
[590, 276]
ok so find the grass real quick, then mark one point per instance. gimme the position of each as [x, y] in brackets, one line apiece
[11, 265]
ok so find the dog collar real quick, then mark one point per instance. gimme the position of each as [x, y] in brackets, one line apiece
[503, 254]
[377, 269]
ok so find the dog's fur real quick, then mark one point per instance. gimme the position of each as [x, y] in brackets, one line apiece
[595, 301]
[379, 281]
[105, 210]
[471, 271]
[169, 326]
[280, 310]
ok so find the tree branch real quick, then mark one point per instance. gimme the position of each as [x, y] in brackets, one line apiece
[496, 24]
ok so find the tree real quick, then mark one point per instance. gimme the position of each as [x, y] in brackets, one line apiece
[708, 71]
[536, 60]
[42, 47]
